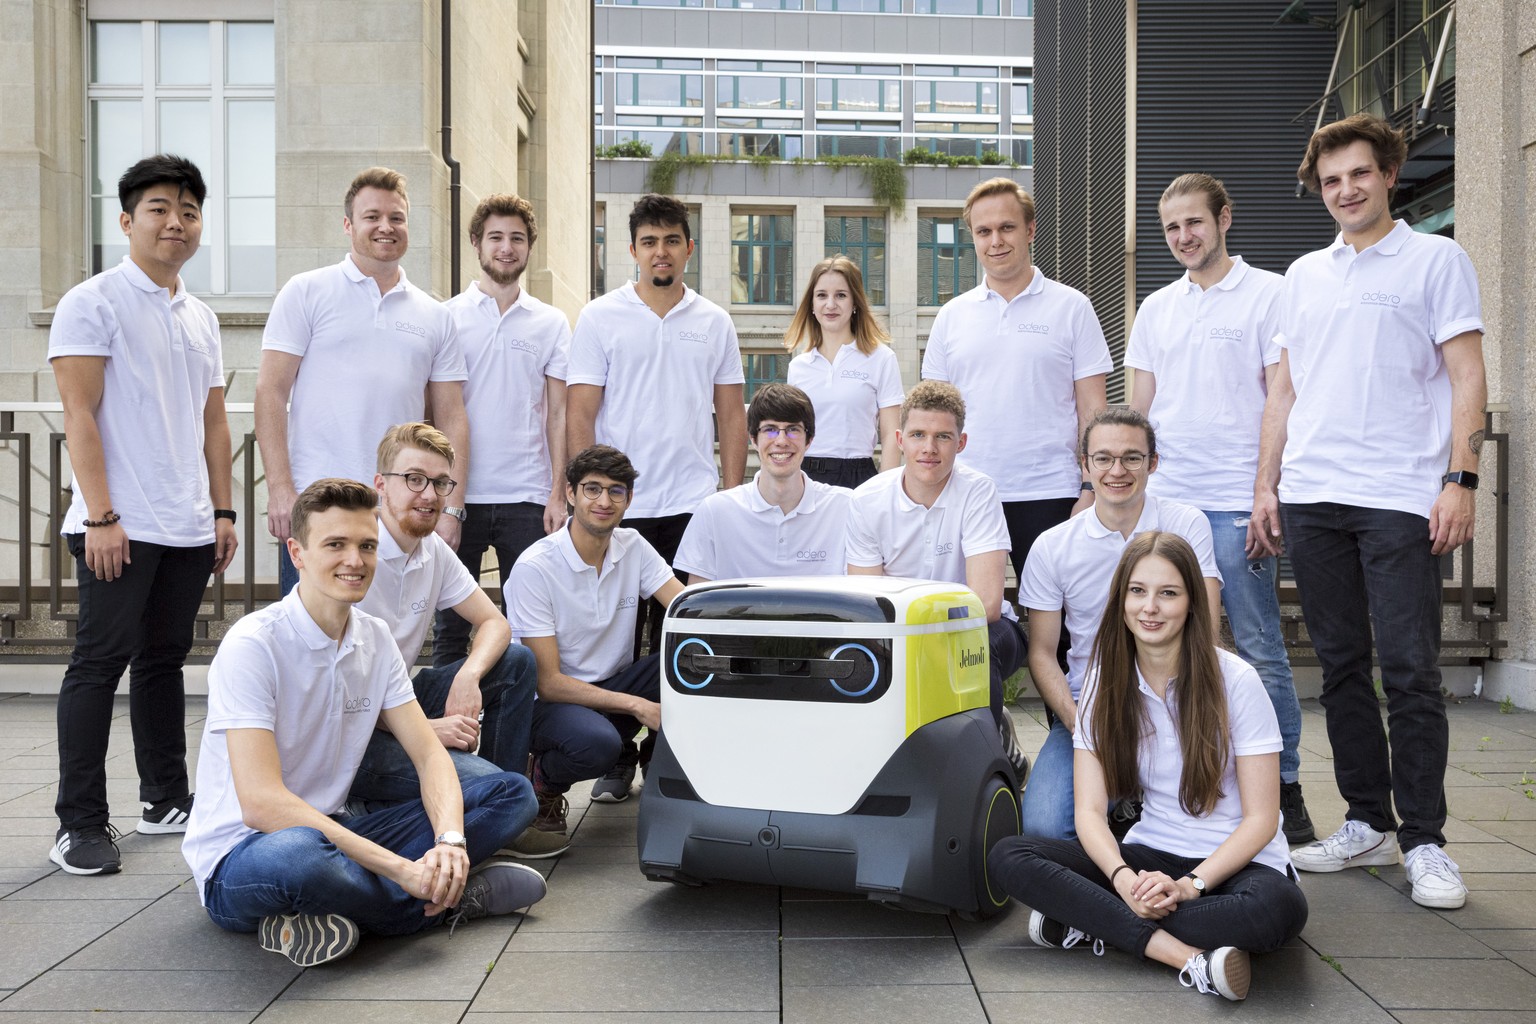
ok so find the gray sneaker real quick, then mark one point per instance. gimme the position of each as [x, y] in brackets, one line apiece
[500, 888]
[309, 939]
[613, 788]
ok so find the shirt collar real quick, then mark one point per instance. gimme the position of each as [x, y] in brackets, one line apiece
[488, 302]
[632, 294]
[1233, 278]
[309, 630]
[757, 503]
[1095, 528]
[142, 281]
[617, 545]
[1036, 285]
[942, 501]
[390, 550]
[356, 276]
[1389, 245]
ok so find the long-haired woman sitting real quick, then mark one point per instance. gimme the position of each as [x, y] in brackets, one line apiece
[1205, 877]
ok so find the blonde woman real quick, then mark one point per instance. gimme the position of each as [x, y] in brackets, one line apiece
[847, 368]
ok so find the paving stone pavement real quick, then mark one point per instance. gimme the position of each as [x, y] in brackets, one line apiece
[609, 947]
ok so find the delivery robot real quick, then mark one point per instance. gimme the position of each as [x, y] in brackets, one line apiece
[829, 733]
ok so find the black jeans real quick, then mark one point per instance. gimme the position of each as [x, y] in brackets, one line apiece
[1258, 909]
[509, 528]
[840, 472]
[1007, 651]
[1359, 569]
[572, 743]
[664, 533]
[1027, 520]
[143, 620]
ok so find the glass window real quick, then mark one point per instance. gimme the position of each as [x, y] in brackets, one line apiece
[861, 239]
[655, 3]
[1021, 101]
[663, 135]
[946, 259]
[761, 5]
[762, 258]
[984, 149]
[955, 7]
[599, 250]
[1024, 150]
[763, 368]
[757, 136]
[868, 6]
[859, 95]
[857, 138]
[758, 92]
[658, 90]
[208, 97]
[954, 98]
[663, 63]
[948, 71]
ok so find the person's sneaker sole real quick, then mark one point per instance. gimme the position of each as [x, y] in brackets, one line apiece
[613, 789]
[109, 868]
[164, 819]
[1447, 902]
[309, 939]
[1039, 924]
[1231, 973]
[1383, 854]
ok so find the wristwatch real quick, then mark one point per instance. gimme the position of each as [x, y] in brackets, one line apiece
[1198, 882]
[1464, 477]
[224, 513]
[458, 513]
[452, 838]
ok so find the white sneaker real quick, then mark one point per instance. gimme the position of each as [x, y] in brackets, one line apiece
[1356, 845]
[1224, 972]
[1436, 878]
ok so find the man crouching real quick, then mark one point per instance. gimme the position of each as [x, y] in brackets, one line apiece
[295, 693]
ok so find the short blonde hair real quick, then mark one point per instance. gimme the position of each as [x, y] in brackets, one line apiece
[375, 177]
[412, 435]
[935, 396]
[1000, 187]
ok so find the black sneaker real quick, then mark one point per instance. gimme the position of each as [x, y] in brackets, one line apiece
[1043, 931]
[165, 817]
[613, 788]
[309, 939]
[87, 851]
[1008, 731]
[1295, 822]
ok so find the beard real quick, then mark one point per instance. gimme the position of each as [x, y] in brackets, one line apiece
[410, 524]
[501, 277]
[663, 282]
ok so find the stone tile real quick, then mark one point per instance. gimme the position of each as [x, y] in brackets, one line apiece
[149, 991]
[176, 932]
[585, 898]
[123, 886]
[529, 941]
[125, 1017]
[1505, 939]
[809, 963]
[1466, 1016]
[364, 1011]
[658, 982]
[883, 1004]
[1356, 891]
[857, 919]
[31, 949]
[1501, 910]
[1369, 935]
[1442, 984]
[428, 966]
[1033, 969]
[623, 1017]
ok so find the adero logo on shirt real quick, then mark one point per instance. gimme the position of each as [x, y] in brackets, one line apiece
[947, 548]
[626, 602]
[416, 329]
[810, 556]
[1379, 299]
[197, 344]
[420, 606]
[696, 336]
[522, 345]
[356, 705]
[1033, 328]
[1227, 333]
[853, 375]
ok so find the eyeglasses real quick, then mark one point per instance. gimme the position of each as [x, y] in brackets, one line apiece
[592, 490]
[793, 433]
[1132, 461]
[418, 482]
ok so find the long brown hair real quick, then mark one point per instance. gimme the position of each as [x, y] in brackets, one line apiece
[1119, 719]
[804, 331]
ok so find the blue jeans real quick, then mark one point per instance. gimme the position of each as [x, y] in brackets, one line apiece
[287, 575]
[572, 743]
[1258, 909]
[1253, 612]
[387, 775]
[509, 528]
[1048, 808]
[299, 870]
[1360, 570]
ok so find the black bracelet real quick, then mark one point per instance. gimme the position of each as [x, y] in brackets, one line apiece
[224, 513]
[1087, 486]
[1112, 874]
[106, 520]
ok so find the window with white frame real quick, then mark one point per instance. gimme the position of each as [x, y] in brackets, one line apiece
[203, 90]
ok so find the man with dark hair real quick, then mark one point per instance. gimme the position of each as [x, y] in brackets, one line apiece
[294, 694]
[1204, 350]
[933, 519]
[515, 348]
[359, 321]
[1066, 582]
[483, 702]
[572, 600]
[648, 363]
[149, 517]
[1368, 458]
[1030, 358]
[780, 523]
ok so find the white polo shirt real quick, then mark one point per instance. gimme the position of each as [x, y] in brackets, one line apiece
[162, 357]
[1073, 563]
[847, 394]
[508, 356]
[887, 528]
[658, 376]
[1208, 349]
[408, 589]
[552, 592]
[276, 670]
[367, 360]
[1016, 364]
[1371, 426]
[737, 533]
[1164, 824]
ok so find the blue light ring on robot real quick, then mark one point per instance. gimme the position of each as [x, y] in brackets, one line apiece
[874, 663]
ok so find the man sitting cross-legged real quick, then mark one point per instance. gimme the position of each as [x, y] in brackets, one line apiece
[294, 694]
